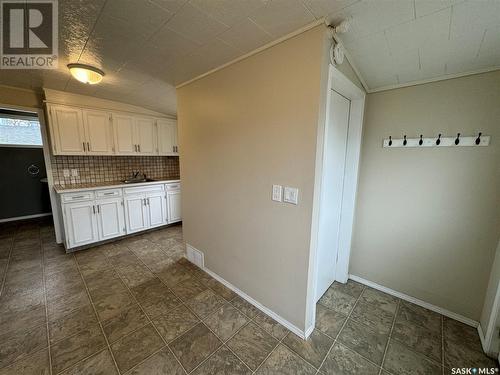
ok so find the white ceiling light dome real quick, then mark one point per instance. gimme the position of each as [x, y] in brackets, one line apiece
[86, 73]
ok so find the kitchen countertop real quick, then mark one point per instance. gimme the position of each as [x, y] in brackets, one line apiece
[107, 185]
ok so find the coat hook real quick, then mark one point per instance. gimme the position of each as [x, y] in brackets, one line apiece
[390, 140]
[478, 139]
[421, 142]
[457, 141]
[438, 141]
[405, 141]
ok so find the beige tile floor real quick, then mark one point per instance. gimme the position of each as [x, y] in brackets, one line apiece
[137, 307]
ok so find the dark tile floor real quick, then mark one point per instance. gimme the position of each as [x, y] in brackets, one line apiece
[137, 307]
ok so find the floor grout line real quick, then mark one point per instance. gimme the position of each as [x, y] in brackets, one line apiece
[390, 336]
[340, 331]
[4, 277]
[182, 302]
[96, 314]
[442, 344]
[142, 309]
[42, 254]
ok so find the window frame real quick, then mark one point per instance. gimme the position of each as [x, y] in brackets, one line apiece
[14, 114]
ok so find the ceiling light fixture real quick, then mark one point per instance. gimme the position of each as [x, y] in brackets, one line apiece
[86, 73]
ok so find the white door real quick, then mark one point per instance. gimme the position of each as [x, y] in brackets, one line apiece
[156, 209]
[167, 137]
[110, 218]
[98, 132]
[146, 136]
[332, 187]
[136, 213]
[124, 134]
[67, 129]
[80, 223]
[174, 206]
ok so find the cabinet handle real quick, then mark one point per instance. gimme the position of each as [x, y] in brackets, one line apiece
[98, 209]
[148, 202]
[139, 146]
[173, 148]
[78, 197]
[93, 209]
[109, 193]
[83, 143]
[88, 146]
[144, 201]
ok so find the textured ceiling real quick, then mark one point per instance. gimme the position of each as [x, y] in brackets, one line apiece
[148, 46]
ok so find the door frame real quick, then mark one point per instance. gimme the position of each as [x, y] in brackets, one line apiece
[56, 213]
[339, 82]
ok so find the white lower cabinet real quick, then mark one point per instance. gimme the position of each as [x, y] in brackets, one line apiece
[103, 214]
[110, 218]
[81, 224]
[174, 206]
[156, 209]
[135, 213]
[145, 207]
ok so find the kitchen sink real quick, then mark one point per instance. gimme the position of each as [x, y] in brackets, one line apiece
[138, 180]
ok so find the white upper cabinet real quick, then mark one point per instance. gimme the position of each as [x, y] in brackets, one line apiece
[124, 134]
[98, 134]
[88, 131]
[67, 130]
[146, 136]
[167, 137]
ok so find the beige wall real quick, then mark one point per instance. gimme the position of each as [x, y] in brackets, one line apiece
[20, 97]
[491, 292]
[427, 220]
[242, 129]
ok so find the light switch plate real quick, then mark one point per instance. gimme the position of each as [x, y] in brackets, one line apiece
[291, 195]
[277, 193]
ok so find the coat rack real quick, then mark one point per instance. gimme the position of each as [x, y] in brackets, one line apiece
[439, 141]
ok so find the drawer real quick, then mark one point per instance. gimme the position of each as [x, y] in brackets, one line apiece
[143, 189]
[77, 197]
[108, 193]
[173, 186]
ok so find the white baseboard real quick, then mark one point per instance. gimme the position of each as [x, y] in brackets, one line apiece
[258, 305]
[416, 301]
[24, 217]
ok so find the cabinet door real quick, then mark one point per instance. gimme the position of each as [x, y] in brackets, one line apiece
[156, 209]
[124, 134]
[110, 218]
[136, 213]
[167, 136]
[67, 131]
[80, 223]
[174, 206]
[145, 130]
[98, 132]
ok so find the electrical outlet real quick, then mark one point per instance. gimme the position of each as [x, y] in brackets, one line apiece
[66, 173]
[291, 195]
[277, 193]
[74, 172]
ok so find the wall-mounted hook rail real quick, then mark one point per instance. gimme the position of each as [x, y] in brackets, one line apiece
[477, 140]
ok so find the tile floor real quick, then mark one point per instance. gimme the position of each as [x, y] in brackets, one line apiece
[137, 307]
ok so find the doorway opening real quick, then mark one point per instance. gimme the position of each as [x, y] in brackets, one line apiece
[339, 145]
[24, 192]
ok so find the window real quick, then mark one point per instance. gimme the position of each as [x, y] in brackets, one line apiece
[19, 129]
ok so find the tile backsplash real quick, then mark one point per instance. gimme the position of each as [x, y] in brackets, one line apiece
[95, 169]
